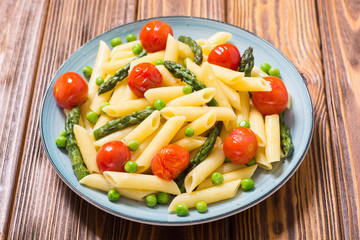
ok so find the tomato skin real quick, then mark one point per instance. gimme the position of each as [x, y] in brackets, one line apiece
[273, 102]
[153, 35]
[241, 145]
[112, 156]
[70, 89]
[170, 161]
[225, 55]
[143, 77]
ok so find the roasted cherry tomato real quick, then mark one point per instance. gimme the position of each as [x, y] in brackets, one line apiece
[273, 102]
[70, 89]
[241, 145]
[143, 77]
[170, 161]
[154, 34]
[112, 156]
[225, 55]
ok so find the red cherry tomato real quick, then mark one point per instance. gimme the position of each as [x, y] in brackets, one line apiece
[170, 161]
[241, 145]
[225, 55]
[273, 102]
[70, 89]
[143, 77]
[153, 35]
[112, 156]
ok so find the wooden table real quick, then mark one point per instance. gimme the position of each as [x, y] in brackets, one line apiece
[321, 200]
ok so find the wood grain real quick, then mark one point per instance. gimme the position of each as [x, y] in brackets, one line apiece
[340, 34]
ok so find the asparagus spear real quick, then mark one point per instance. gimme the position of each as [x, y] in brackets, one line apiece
[121, 123]
[120, 75]
[247, 62]
[188, 77]
[285, 138]
[77, 161]
[195, 48]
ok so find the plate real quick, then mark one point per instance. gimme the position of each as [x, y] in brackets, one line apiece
[299, 119]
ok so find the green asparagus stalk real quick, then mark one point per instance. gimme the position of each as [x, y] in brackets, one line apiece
[77, 161]
[247, 62]
[121, 123]
[120, 75]
[285, 138]
[188, 77]
[195, 48]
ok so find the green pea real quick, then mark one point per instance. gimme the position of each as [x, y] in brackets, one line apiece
[137, 49]
[150, 107]
[134, 145]
[227, 160]
[92, 117]
[159, 104]
[245, 124]
[60, 141]
[247, 184]
[187, 89]
[63, 133]
[113, 195]
[115, 41]
[252, 162]
[87, 71]
[274, 72]
[181, 209]
[163, 198]
[189, 132]
[151, 200]
[217, 178]
[131, 166]
[159, 62]
[99, 81]
[131, 37]
[265, 67]
[104, 104]
[201, 206]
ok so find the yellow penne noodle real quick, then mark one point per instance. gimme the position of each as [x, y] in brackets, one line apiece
[244, 112]
[87, 148]
[163, 138]
[168, 79]
[123, 47]
[118, 94]
[112, 66]
[123, 54]
[229, 167]
[224, 133]
[150, 58]
[172, 49]
[103, 119]
[144, 129]
[261, 159]
[272, 133]
[209, 195]
[220, 38]
[200, 125]
[116, 136]
[128, 94]
[135, 194]
[191, 143]
[232, 95]
[194, 68]
[84, 110]
[141, 181]
[99, 99]
[252, 84]
[125, 107]
[97, 181]
[196, 98]
[257, 72]
[145, 144]
[193, 113]
[204, 169]
[206, 46]
[227, 75]
[288, 106]
[257, 125]
[165, 93]
[230, 176]
[185, 51]
[102, 57]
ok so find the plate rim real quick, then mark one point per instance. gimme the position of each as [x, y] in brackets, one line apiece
[191, 222]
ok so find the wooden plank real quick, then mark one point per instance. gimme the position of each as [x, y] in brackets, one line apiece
[339, 28]
[20, 39]
[306, 206]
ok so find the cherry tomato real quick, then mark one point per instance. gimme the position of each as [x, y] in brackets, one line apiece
[273, 102]
[170, 161]
[143, 77]
[241, 145]
[154, 34]
[112, 156]
[225, 55]
[70, 89]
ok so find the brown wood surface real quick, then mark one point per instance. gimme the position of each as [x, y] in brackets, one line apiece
[320, 37]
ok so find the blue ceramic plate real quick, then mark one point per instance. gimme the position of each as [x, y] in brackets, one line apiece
[299, 118]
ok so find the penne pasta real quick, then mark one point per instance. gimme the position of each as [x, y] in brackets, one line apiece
[244, 111]
[191, 143]
[193, 113]
[123, 47]
[229, 167]
[272, 133]
[123, 54]
[112, 66]
[150, 58]
[168, 79]
[232, 95]
[165, 93]
[172, 49]
[135, 194]
[185, 51]
[125, 107]
[116, 136]
[261, 159]
[257, 125]
[220, 38]
[103, 119]
[196, 98]
[97, 181]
